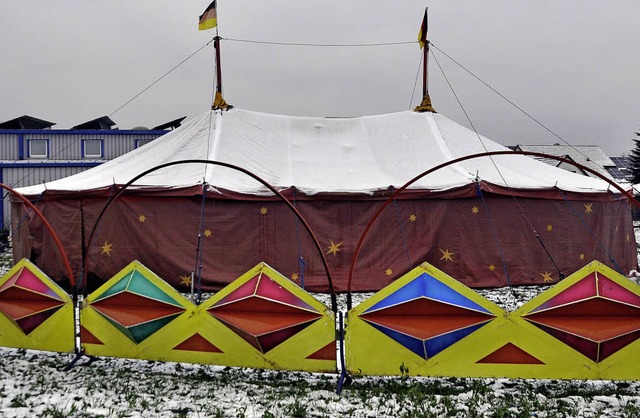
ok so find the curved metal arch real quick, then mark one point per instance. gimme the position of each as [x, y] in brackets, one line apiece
[63, 253]
[397, 192]
[85, 263]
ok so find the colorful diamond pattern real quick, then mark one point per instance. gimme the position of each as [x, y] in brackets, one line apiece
[263, 313]
[426, 316]
[595, 316]
[136, 306]
[27, 300]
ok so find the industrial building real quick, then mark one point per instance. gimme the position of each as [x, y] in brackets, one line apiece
[32, 152]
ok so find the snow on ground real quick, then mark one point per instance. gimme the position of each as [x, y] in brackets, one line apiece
[34, 384]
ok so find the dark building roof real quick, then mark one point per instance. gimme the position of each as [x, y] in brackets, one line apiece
[102, 123]
[622, 170]
[170, 125]
[26, 122]
[591, 156]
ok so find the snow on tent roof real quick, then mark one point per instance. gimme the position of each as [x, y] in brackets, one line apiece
[315, 154]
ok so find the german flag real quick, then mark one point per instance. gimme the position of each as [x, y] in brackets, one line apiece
[208, 19]
[422, 35]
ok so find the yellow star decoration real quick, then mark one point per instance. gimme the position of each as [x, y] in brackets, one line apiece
[588, 208]
[106, 249]
[334, 248]
[582, 256]
[388, 272]
[549, 227]
[446, 255]
[295, 277]
[263, 210]
[185, 280]
[142, 218]
[207, 233]
[412, 217]
[475, 210]
[546, 277]
[628, 237]
[492, 267]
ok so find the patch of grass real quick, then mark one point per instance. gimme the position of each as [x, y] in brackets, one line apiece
[297, 409]
[630, 409]
[53, 412]
[18, 401]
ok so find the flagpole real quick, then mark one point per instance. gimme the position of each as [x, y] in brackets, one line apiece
[425, 69]
[209, 20]
[216, 45]
[425, 105]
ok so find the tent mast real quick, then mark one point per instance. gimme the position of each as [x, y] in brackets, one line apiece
[219, 102]
[425, 105]
[216, 45]
[425, 70]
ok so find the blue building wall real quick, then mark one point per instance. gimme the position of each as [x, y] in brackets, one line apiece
[65, 154]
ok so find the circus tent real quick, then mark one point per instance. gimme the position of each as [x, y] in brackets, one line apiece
[488, 221]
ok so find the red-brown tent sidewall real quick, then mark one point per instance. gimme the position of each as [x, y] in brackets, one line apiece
[456, 230]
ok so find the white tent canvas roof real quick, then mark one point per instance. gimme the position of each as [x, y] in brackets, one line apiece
[314, 154]
[444, 221]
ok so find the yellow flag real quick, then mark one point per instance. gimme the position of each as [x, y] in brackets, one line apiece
[422, 34]
[208, 19]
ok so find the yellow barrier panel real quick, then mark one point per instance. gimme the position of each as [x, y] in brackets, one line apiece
[594, 316]
[135, 314]
[264, 320]
[260, 320]
[35, 312]
[427, 324]
[413, 322]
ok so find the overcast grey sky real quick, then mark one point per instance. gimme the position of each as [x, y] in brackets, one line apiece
[572, 64]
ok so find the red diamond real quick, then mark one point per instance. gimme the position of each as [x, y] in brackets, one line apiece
[27, 300]
[423, 318]
[263, 313]
[595, 316]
